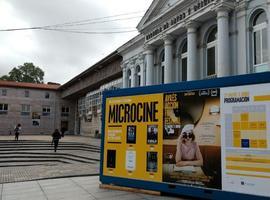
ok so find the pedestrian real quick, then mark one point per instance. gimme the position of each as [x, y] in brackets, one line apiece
[63, 130]
[56, 137]
[17, 131]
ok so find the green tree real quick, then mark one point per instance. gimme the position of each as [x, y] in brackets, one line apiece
[27, 72]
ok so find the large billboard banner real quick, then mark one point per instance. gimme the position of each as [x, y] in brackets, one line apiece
[212, 137]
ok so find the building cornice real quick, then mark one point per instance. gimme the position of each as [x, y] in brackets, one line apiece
[177, 16]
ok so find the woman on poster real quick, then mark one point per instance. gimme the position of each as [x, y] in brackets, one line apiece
[187, 151]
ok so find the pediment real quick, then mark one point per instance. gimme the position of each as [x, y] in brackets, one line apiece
[157, 8]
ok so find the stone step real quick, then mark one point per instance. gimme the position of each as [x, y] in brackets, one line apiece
[40, 160]
[46, 148]
[38, 157]
[27, 164]
[48, 144]
[16, 162]
[94, 157]
[43, 142]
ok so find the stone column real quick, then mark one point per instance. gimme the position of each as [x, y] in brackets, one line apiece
[142, 74]
[168, 51]
[192, 69]
[133, 76]
[224, 68]
[242, 60]
[149, 65]
[125, 78]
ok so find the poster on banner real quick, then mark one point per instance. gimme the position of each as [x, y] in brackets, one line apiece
[133, 135]
[191, 138]
[130, 160]
[246, 139]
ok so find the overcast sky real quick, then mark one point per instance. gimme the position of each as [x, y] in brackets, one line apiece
[64, 55]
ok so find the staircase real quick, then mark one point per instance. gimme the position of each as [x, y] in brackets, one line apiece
[32, 159]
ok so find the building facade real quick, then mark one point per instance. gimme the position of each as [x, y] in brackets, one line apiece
[37, 107]
[74, 107]
[185, 40]
[86, 89]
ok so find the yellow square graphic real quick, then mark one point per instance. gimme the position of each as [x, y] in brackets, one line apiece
[262, 125]
[244, 125]
[253, 143]
[244, 117]
[253, 126]
[237, 143]
[236, 134]
[262, 144]
[236, 125]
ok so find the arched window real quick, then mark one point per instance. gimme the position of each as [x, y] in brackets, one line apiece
[184, 62]
[138, 75]
[129, 77]
[211, 53]
[259, 35]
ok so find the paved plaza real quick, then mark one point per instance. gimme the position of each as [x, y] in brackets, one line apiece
[76, 188]
[33, 158]
[30, 170]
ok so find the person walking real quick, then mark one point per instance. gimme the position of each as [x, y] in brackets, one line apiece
[17, 131]
[56, 137]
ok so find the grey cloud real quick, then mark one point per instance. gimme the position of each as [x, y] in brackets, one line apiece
[63, 55]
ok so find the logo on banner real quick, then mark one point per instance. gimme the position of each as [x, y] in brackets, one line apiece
[236, 97]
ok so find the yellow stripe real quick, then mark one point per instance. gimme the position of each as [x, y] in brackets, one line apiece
[262, 98]
[251, 160]
[253, 169]
[248, 164]
[250, 175]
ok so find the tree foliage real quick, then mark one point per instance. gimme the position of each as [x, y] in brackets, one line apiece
[27, 72]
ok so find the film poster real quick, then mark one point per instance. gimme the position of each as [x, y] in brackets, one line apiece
[191, 138]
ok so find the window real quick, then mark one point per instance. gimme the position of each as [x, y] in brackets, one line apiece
[93, 99]
[259, 36]
[3, 108]
[138, 76]
[184, 62]
[65, 111]
[129, 78]
[4, 92]
[81, 106]
[25, 109]
[46, 110]
[47, 95]
[26, 93]
[211, 53]
[161, 70]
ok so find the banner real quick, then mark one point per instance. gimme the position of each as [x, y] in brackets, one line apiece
[246, 139]
[215, 138]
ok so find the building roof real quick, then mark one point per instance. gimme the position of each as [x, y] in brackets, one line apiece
[100, 64]
[39, 86]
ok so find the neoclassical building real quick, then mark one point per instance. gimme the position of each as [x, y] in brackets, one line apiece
[184, 40]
